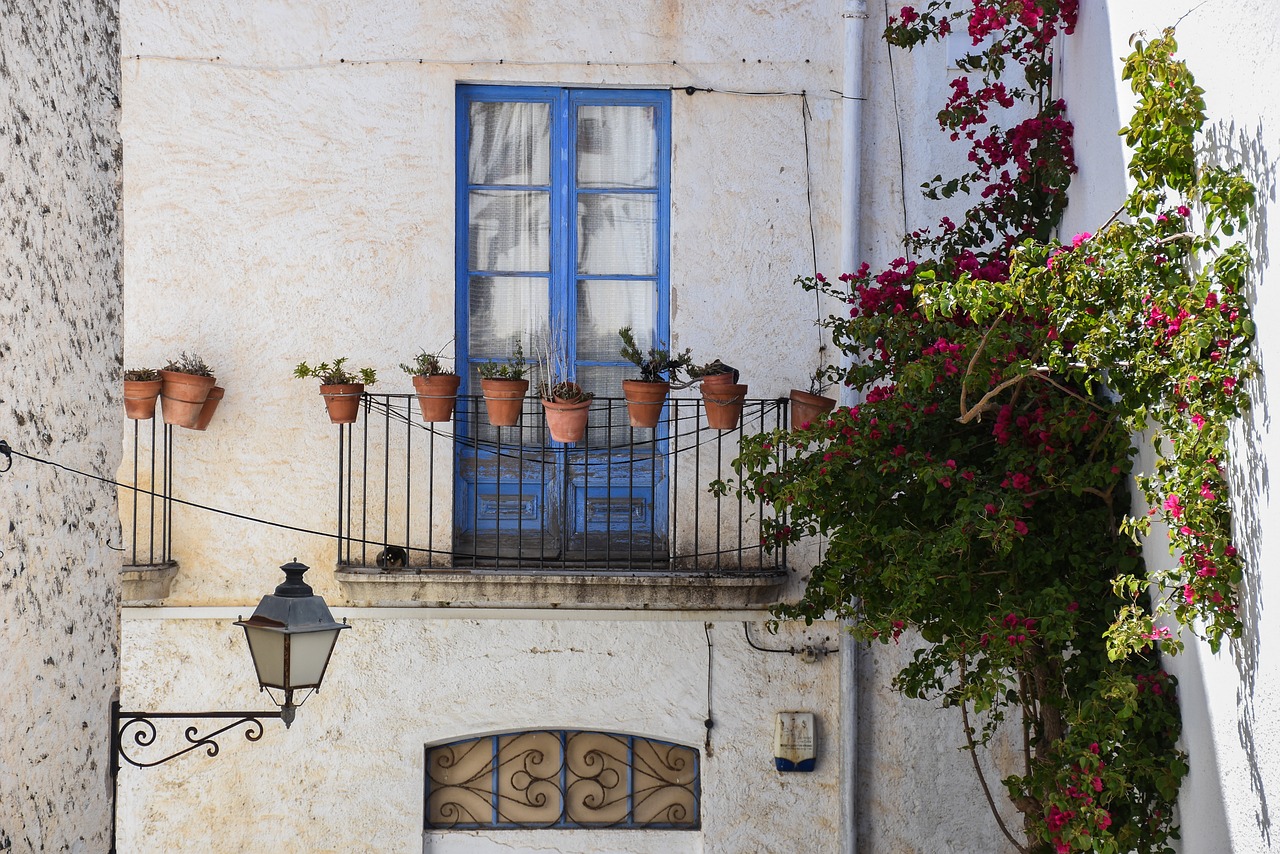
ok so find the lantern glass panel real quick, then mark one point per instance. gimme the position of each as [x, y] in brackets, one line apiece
[267, 648]
[308, 656]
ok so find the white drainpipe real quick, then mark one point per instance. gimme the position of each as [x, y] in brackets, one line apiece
[855, 19]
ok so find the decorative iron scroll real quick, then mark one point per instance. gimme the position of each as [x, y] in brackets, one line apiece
[137, 730]
[562, 779]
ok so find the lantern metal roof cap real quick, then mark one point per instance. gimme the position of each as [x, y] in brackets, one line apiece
[294, 607]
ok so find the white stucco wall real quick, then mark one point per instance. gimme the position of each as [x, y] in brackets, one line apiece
[349, 775]
[59, 400]
[289, 179]
[289, 195]
[1230, 700]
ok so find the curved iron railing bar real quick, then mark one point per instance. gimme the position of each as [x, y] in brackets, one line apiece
[473, 443]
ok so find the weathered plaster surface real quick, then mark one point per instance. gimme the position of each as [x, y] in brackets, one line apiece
[289, 188]
[60, 400]
[348, 776]
[285, 205]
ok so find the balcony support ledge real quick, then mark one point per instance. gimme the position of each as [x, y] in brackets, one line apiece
[562, 589]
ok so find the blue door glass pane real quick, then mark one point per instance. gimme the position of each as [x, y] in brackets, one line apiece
[562, 218]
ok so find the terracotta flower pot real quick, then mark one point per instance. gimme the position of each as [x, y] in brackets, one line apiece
[140, 398]
[645, 401]
[210, 406]
[504, 400]
[342, 401]
[437, 395]
[723, 403]
[567, 421]
[808, 408]
[182, 397]
[718, 380]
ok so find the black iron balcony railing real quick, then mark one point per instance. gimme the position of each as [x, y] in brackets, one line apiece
[462, 494]
[146, 509]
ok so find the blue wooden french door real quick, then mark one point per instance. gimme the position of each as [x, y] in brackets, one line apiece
[563, 210]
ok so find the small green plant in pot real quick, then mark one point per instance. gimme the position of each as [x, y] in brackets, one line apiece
[141, 390]
[186, 384]
[340, 388]
[504, 387]
[435, 384]
[659, 370]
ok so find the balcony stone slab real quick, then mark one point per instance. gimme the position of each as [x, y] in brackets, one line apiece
[146, 584]
[558, 589]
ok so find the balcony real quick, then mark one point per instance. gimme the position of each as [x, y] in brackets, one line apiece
[464, 514]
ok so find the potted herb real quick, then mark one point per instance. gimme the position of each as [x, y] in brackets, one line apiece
[504, 387]
[186, 383]
[659, 368]
[722, 395]
[809, 406]
[141, 388]
[340, 388]
[436, 386]
[565, 403]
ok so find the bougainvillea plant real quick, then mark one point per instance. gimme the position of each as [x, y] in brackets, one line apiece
[978, 494]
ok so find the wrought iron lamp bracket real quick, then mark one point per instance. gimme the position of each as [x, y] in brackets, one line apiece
[138, 730]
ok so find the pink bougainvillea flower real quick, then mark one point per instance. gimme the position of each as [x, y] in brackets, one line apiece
[1079, 239]
[1173, 505]
[1198, 420]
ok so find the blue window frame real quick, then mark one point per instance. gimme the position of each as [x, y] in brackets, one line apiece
[563, 212]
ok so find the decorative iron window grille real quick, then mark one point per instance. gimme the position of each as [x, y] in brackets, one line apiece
[562, 779]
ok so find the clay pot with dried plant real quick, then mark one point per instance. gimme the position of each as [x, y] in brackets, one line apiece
[141, 391]
[187, 381]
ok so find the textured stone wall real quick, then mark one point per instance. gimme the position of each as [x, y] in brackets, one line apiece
[60, 308]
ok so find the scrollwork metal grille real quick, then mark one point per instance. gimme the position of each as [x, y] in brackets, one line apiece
[562, 779]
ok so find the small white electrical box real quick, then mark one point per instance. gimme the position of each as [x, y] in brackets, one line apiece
[794, 741]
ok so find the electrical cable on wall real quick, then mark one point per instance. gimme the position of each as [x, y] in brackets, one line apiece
[219, 62]
[897, 120]
[805, 116]
[6, 451]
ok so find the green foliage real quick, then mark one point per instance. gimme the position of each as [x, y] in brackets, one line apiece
[427, 365]
[657, 365]
[334, 373]
[512, 369]
[977, 494]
